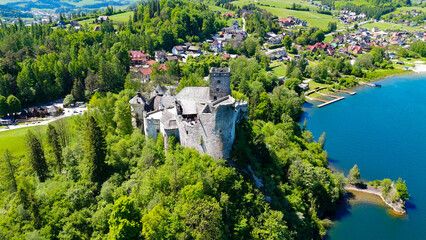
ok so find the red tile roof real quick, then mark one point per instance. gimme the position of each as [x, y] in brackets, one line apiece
[138, 56]
[146, 71]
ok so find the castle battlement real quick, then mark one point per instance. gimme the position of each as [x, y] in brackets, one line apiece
[200, 117]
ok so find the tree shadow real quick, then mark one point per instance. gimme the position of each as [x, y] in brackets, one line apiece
[409, 205]
[343, 209]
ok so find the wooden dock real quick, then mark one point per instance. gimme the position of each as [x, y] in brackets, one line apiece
[326, 102]
[330, 102]
[368, 84]
[344, 91]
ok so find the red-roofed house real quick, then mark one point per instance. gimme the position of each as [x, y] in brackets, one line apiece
[151, 62]
[228, 15]
[138, 57]
[356, 49]
[326, 47]
[162, 66]
[146, 74]
[226, 56]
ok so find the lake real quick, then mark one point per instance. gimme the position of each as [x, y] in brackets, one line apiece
[383, 131]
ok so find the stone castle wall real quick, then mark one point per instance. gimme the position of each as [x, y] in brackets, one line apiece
[213, 134]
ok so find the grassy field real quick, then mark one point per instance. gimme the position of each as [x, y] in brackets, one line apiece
[383, 26]
[13, 140]
[314, 19]
[278, 68]
[118, 18]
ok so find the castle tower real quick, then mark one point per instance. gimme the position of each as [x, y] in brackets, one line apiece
[220, 83]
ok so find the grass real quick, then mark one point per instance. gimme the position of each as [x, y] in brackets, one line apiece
[278, 8]
[384, 25]
[385, 73]
[118, 18]
[278, 68]
[14, 140]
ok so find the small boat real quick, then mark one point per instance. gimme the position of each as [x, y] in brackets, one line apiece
[377, 85]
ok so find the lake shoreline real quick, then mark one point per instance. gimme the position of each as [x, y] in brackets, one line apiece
[396, 207]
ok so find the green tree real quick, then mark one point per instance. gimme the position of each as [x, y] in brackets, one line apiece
[14, 105]
[36, 156]
[378, 54]
[355, 175]
[287, 43]
[69, 99]
[401, 190]
[123, 117]
[364, 61]
[8, 170]
[78, 90]
[95, 152]
[124, 222]
[285, 101]
[54, 142]
[3, 106]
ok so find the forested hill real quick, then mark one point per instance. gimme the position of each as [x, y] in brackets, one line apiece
[372, 8]
[63, 5]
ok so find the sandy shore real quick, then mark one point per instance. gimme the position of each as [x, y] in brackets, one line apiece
[397, 207]
[420, 67]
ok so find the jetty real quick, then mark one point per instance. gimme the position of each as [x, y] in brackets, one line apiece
[371, 84]
[344, 91]
[325, 102]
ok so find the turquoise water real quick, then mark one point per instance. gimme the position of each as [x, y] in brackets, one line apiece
[383, 130]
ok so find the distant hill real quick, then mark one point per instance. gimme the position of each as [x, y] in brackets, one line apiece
[62, 5]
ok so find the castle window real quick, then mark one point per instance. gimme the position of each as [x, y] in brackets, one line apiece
[214, 98]
[158, 130]
[187, 132]
[218, 82]
[220, 130]
[217, 89]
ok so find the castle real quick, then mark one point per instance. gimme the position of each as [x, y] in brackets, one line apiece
[200, 117]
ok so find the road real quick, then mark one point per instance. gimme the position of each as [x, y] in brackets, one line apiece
[68, 112]
[350, 27]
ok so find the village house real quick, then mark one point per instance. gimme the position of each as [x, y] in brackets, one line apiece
[160, 56]
[102, 19]
[291, 22]
[178, 50]
[138, 57]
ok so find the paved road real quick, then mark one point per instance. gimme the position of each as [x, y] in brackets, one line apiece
[67, 113]
[350, 27]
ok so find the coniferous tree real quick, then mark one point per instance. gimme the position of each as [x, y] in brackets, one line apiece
[78, 90]
[8, 171]
[36, 156]
[54, 142]
[95, 152]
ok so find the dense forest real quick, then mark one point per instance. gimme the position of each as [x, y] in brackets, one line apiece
[39, 63]
[93, 176]
[372, 8]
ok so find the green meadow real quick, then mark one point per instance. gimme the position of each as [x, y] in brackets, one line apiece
[14, 140]
[278, 8]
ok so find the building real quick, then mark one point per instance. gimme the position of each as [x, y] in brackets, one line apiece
[101, 19]
[138, 57]
[160, 56]
[177, 50]
[203, 118]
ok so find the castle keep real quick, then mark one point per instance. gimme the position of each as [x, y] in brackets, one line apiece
[200, 117]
